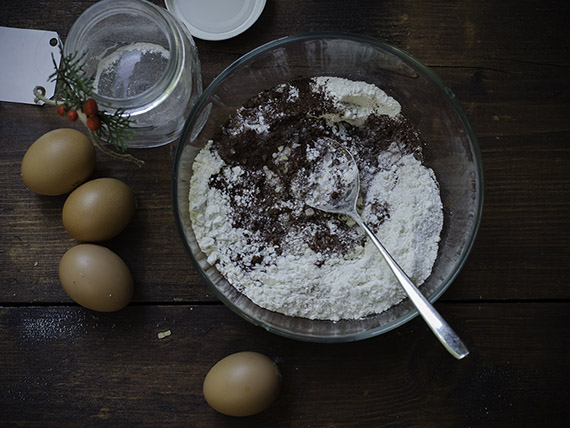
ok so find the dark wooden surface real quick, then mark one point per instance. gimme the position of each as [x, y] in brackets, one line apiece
[64, 366]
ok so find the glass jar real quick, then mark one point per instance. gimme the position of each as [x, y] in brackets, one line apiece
[143, 61]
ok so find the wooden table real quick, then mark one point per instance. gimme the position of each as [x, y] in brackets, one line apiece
[64, 366]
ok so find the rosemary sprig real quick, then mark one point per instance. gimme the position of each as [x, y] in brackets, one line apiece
[116, 129]
[73, 88]
[71, 83]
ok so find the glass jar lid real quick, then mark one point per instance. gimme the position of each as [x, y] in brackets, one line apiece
[216, 19]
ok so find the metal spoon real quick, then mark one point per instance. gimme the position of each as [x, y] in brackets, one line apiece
[333, 186]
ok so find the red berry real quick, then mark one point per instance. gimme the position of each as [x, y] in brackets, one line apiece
[93, 123]
[72, 115]
[61, 109]
[90, 107]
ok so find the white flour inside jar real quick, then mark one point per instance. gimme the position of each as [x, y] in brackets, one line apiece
[277, 250]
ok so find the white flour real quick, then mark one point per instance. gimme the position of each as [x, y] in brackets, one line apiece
[292, 278]
[356, 101]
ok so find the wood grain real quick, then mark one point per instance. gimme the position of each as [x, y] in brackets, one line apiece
[67, 366]
[508, 64]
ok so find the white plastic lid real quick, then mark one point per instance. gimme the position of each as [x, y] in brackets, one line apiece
[216, 19]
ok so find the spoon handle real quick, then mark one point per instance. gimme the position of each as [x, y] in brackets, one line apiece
[434, 320]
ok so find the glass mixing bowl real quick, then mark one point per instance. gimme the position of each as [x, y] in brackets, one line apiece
[451, 151]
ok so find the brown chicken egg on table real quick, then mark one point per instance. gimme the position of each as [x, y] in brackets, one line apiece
[98, 210]
[96, 278]
[58, 161]
[242, 384]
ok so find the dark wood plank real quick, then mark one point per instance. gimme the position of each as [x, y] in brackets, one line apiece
[66, 366]
[438, 33]
[521, 250]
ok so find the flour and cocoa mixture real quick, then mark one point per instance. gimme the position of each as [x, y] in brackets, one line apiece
[288, 257]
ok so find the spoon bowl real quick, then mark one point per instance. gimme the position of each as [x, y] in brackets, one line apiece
[332, 183]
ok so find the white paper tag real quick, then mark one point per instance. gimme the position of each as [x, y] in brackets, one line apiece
[26, 63]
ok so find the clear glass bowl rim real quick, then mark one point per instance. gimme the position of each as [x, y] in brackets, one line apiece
[409, 60]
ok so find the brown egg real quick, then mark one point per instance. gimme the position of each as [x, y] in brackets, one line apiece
[96, 278]
[58, 161]
[242, 384]
[98, 210]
